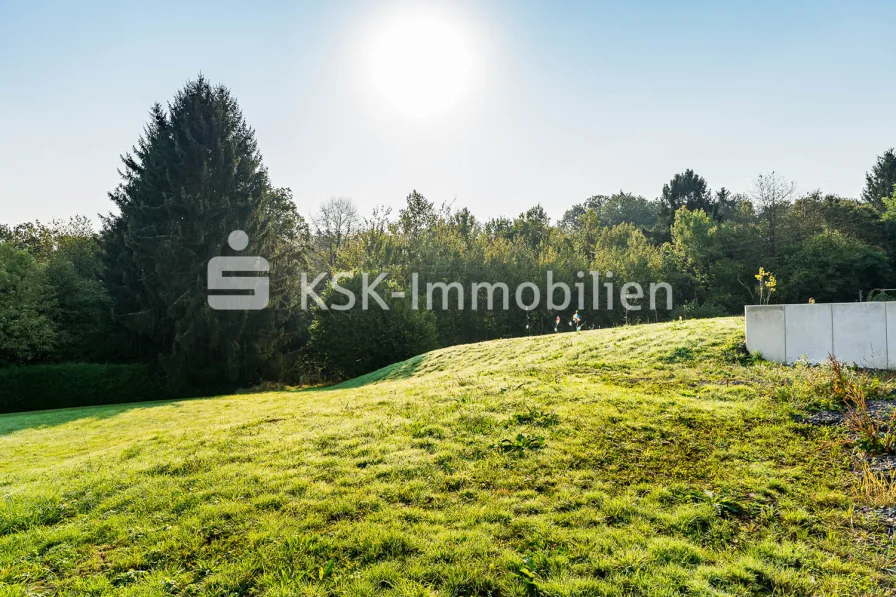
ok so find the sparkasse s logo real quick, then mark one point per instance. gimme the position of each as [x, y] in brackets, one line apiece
[218, 281]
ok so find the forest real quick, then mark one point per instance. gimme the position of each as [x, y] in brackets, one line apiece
[131, 291]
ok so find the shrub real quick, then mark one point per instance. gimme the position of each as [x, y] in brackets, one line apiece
[695, 310]
[39, 387]
[830, 266]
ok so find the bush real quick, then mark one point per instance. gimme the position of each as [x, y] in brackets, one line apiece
[40, 387]
[695, 310]
[830, 267]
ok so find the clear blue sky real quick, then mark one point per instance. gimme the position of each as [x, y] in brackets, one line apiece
[564, 100]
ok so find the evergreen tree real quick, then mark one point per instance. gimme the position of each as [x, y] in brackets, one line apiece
[724, 205]
[879, 182]
[689, 190]
[195, 176]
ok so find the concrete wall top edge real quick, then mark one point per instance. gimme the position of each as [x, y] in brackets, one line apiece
[818, 304]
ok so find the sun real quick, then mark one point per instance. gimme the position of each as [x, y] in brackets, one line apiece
[420, 65]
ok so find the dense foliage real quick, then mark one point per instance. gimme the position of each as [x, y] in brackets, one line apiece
[347, 343]
[53, 303]
[137, 290]
[41, 387]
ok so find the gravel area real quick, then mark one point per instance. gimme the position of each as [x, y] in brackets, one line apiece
[880, 410]
[883, 463]
[824, 417]
[885, 515]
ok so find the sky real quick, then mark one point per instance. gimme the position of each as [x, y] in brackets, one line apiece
[550, 102]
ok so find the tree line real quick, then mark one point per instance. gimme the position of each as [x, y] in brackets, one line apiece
[135, 291]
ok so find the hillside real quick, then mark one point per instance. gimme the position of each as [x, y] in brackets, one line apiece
[640, 460]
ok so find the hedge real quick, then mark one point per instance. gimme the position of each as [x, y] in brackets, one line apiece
[39, 387]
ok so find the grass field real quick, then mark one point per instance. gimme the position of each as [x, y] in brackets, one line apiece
[630, 461]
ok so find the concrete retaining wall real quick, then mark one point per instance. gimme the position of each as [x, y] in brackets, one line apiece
[863, 334]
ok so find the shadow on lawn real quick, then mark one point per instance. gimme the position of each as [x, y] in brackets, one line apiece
[13, 422]
[37, 419]
[402, 370]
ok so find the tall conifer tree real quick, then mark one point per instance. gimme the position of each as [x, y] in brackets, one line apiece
[879, 182]
[194, 176]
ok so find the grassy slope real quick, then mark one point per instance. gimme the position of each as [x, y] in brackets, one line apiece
[389, 484]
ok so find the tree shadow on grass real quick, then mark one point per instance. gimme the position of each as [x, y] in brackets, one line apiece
[402, 370]
[39, 419]
[13, 422]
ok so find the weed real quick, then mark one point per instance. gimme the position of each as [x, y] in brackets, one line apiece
[536, 418]
[721, 504]
[519, 444]
[873, 436]
[875, 488]
[830, 386]
[849, 390]
[526, 571]
[680, 354]
[326, 571]
[123, 579]
[846, 384]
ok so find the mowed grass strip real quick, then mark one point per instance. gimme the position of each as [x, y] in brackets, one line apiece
[641, 460]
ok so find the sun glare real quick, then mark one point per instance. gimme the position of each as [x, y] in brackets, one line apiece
[420, 65]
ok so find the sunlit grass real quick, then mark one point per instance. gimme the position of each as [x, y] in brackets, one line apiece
[649, 465]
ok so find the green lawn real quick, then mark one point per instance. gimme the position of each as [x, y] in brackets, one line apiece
[639, 461]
